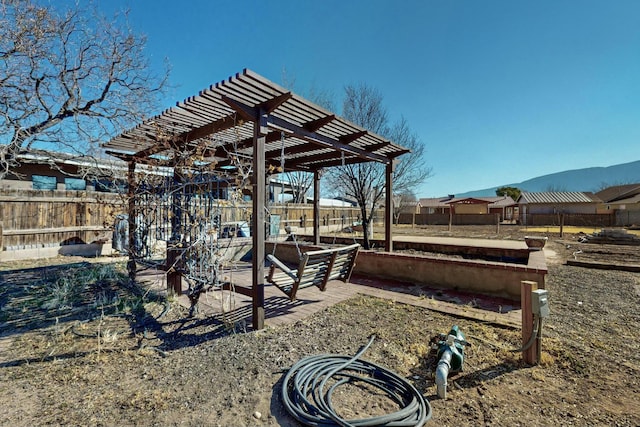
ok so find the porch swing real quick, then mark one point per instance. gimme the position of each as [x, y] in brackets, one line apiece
[315, 268]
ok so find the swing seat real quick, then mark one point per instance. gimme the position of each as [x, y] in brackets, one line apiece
[316, 268]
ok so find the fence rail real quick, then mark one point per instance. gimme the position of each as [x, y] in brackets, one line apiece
[35, 219]
[578, 220]
[591, 220]
[32, 218]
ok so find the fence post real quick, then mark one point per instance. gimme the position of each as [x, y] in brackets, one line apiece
[562, 225]
[530, 355]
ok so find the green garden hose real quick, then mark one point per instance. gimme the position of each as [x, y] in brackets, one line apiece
[306, 392]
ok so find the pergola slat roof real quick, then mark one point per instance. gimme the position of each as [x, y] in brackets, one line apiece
[220, 120]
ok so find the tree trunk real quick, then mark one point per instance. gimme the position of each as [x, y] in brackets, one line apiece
[366, 224]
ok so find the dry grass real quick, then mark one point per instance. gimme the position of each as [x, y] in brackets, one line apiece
[97, 351]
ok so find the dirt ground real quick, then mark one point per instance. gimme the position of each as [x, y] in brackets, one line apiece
[81, 346]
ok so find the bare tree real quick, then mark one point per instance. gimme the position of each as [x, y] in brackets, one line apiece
[301, 183]
[68, 79]
[401, 201]
[365, 182]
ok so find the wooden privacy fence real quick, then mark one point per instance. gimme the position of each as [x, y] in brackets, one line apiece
[590, 220]
[36, 219]
[443, 219]
[569, 219]
[300, 215]
[627, 217]
[32, 219]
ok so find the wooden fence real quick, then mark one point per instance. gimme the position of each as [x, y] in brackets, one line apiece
[578, 220]
[35, 219]
[530, 220]
[31, 219]
[443, 219]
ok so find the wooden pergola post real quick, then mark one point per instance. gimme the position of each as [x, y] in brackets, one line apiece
[131, 208]
[258, 218]
[316, 207]
[174, 278]
[388, 209]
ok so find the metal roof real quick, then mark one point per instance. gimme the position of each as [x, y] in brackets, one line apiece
[219, 122]
[554, 197]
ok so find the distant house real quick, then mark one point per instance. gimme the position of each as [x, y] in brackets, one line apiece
[623, 201]
[621, 197]
[59, 171]
[410, 207]
[435, 205]
[51, 171]
[562, 207]
[503, 205]
[556, 202]
[469, 205]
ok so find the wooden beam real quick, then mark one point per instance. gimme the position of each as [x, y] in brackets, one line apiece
[244, 111]
[374, 147]
[122, 156]
[258, 220]
[295, 150]
[224, 150]
[347, 161]
[249, 113]
[176, 141]
[223, 123]
[315, 158]
[388, 209]
[325, 141]
[273, 103]
[158, 147]
[316, 207]
[349, 138]
[317, 124]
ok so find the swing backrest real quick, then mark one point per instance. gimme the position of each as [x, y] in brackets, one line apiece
[316, 268]
[344, 262]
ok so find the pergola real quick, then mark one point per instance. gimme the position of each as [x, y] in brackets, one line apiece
[251, 116]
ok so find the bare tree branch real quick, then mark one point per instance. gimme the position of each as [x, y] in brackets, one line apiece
[366, 182]
[300, 183]
[69, 79]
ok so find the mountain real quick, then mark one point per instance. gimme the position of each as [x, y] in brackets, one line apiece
[588, 179]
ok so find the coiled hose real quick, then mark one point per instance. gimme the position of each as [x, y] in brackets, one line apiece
[309, 384]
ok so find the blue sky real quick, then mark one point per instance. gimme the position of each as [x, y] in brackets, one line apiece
[499, 91]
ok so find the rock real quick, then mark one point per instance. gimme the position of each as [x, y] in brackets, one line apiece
[257, 415]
